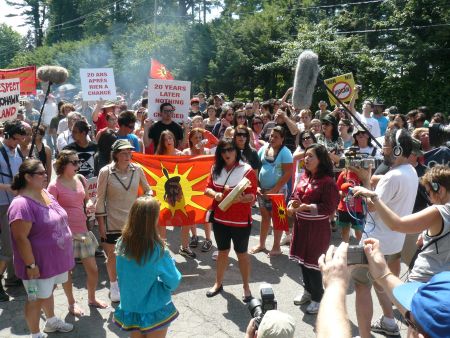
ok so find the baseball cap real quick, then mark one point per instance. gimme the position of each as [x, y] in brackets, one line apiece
[429, 303]
[276, 324]
[416, 147]
[120, 145]
[330, 119]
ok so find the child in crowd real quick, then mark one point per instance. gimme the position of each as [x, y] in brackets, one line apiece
[353, 217]
[147, 274]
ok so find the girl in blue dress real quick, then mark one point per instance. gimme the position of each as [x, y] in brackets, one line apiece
[147, 274]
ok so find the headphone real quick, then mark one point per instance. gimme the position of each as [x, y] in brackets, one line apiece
[435, 186]
[397, 149]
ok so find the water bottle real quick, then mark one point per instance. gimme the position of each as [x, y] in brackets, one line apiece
[202, 142]
[32, 290]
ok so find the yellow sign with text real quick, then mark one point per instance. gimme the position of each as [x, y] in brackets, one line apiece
[342, 86]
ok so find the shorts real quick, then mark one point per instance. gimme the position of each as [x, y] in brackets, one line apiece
[344, 219]
[361, 274]
[224, 234]
[266, 202]
[45, 286]
[111, 238]
[84, 245]
[145, 322]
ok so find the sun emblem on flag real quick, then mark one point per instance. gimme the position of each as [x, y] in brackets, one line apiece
[162, 71]
[281, 209]
[175, 190]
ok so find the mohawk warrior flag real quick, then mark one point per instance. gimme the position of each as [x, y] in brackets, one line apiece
[279, 215]
[178, 183]
[159, 71]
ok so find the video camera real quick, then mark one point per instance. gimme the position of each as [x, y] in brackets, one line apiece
[353, 158]
[259, 307]
[439, 134]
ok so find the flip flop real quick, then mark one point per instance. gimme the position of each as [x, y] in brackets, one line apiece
[72, 311]
[255, 250]
[274, 253]
[98, 306]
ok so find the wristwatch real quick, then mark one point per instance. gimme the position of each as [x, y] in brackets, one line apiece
[31, 266]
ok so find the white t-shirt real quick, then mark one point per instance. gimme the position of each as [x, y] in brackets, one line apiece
[372, 125]
[398, 190]
[62, 126]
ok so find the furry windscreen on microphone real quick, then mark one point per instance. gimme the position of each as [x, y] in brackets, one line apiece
[305, 79]
[53, 74]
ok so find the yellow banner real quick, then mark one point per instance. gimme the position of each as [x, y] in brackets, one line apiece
[342, 86]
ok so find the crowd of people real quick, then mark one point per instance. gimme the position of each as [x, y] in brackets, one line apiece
[373, 175]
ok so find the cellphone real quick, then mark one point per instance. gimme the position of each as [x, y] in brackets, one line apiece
[356, 255]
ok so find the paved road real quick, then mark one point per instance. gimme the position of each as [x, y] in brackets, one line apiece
[222, 316]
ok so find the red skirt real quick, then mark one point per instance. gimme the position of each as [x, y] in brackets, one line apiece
[310, 239]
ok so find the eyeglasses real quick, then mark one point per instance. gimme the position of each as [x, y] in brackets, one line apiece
[227, 150]
[241, 134]
[326, 124]
[39, 173]
[75, 162]
[306, 138]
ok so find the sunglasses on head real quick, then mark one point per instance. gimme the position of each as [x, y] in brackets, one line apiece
[227, 150]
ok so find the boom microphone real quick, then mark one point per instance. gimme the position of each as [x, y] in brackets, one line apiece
[305, 79]
[52, 74]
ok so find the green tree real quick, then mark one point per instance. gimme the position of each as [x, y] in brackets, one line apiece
[11, 43]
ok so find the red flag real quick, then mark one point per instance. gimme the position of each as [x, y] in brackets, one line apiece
[279, 215]
[27, 76]
[179, 183]
[159, 71]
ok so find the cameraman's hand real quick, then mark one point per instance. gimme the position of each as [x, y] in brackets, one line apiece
[377, 264]
[251, 329]
[334, 266]
[363, 174]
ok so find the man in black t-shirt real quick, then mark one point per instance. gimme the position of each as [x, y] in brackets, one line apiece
[152, 134]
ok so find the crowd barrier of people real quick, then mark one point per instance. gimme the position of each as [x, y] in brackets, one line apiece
[333, 175]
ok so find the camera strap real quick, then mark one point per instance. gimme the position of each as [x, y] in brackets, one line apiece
[418, 251]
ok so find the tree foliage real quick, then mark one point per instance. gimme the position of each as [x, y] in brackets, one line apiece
[11, 43]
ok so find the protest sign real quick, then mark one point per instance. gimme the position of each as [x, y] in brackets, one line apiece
[92, 192]
[9, 99]
[342, 86]
[177, 93]
[98, 84]
[27, 76]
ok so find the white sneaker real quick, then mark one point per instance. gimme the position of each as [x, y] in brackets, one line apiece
[285, 239]
[114, 293]
[214, 255]
[41, 335]
[57, 324]
[302, 299]
[313, 308]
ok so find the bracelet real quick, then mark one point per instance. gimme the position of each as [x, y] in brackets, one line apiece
[374, 198]
[383, 276]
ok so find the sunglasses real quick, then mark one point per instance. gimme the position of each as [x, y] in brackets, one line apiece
[241, 134]
[168, 111]
[227, 150]
[39, 173]
[306, 138]
[75, 162]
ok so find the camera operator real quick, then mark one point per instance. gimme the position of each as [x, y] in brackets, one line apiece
[275, 324]
[398, 189]
[425, 306]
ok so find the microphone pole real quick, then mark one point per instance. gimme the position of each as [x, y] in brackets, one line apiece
[349, 112]
[35, 131]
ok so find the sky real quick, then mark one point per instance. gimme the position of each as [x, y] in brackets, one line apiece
[14, 22]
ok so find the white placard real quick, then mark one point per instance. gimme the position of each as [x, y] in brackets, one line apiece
[177, 93]
[98, 84]
[9, 99]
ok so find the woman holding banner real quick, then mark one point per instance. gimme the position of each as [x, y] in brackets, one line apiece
[117, 189]
[234, 223]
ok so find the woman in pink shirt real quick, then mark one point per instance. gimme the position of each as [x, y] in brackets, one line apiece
[69, 189]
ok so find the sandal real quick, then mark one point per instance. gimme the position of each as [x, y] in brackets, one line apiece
[255, 250]
[98, 305]
[274, 253]
[75, 310]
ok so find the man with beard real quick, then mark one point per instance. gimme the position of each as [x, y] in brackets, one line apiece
[398, 189]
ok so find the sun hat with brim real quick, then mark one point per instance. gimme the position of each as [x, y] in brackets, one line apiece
[417, 147]
[329, 119]
[276, 324]
[429, 303]
[121, 145]
[109, 104]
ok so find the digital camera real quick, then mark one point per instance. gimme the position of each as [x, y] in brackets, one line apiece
[259, 307]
